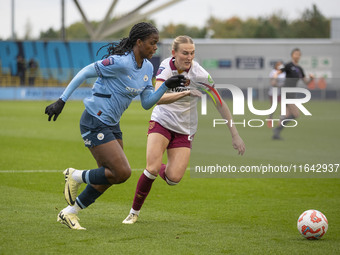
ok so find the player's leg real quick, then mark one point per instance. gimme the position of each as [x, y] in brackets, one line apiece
[178, 160]
[111, 157]
[155, 148]
[74, 180]
[292, 112]
[156, 145]
[106, 146]
[172, 173]
[116, 170]
[103, 188]
[113, 168]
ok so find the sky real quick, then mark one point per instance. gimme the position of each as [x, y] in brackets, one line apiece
[44, 14]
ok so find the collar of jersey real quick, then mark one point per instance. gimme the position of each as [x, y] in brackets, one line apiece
[134, 60]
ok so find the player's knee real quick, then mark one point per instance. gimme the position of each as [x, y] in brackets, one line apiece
[124, 175]
[153, 171]
[119, 176]
[153, 168]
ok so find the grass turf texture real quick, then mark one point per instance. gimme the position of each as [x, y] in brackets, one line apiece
[198, 216]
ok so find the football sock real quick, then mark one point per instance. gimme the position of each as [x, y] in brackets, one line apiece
[134, 211]
[77, 176]
[170, 182]
[72, 209]
[164, 177]
[143, 188]
[162, 172]
[76, 208]
[88, 196]
[95, 176]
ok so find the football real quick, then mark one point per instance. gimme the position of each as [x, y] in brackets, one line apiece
[312, 224]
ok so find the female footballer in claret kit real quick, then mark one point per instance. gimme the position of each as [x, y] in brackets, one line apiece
[124, 74]
[174, 122]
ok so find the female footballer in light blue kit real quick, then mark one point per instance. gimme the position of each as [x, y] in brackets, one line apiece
[122, 75]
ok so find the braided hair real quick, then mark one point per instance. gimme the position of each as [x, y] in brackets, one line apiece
[140, 30]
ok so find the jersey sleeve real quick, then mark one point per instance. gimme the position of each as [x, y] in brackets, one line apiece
[302, 72]
[164, 72]
[85, 73]
[202, 78]
[108, 67]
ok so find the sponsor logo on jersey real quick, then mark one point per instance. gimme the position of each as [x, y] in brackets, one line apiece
[177, 89]
[108, 61]
[134, 91]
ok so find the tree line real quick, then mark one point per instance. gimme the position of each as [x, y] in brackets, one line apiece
[311, 24]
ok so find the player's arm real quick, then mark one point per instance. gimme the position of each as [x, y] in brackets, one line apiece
[149, 97]
[309, 79]
[169, 98]
[56, 108]
[225, 113]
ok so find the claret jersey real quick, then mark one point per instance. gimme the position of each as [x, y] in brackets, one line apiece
[181, 115]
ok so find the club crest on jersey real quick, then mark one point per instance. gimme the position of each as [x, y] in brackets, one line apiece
[160, 70]
[108, 61]
[146, 78]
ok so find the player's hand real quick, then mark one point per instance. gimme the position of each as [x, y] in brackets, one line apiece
[54, 109]
[175, 81]
[238, 144]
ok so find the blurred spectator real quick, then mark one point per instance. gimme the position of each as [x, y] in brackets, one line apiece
[21, 69]
[32, 71]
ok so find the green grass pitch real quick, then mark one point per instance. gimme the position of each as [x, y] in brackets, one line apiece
[198, 216]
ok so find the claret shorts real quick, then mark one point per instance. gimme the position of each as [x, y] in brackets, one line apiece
[176, 140]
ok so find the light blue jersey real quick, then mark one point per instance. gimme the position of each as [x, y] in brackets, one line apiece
[119, 81]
